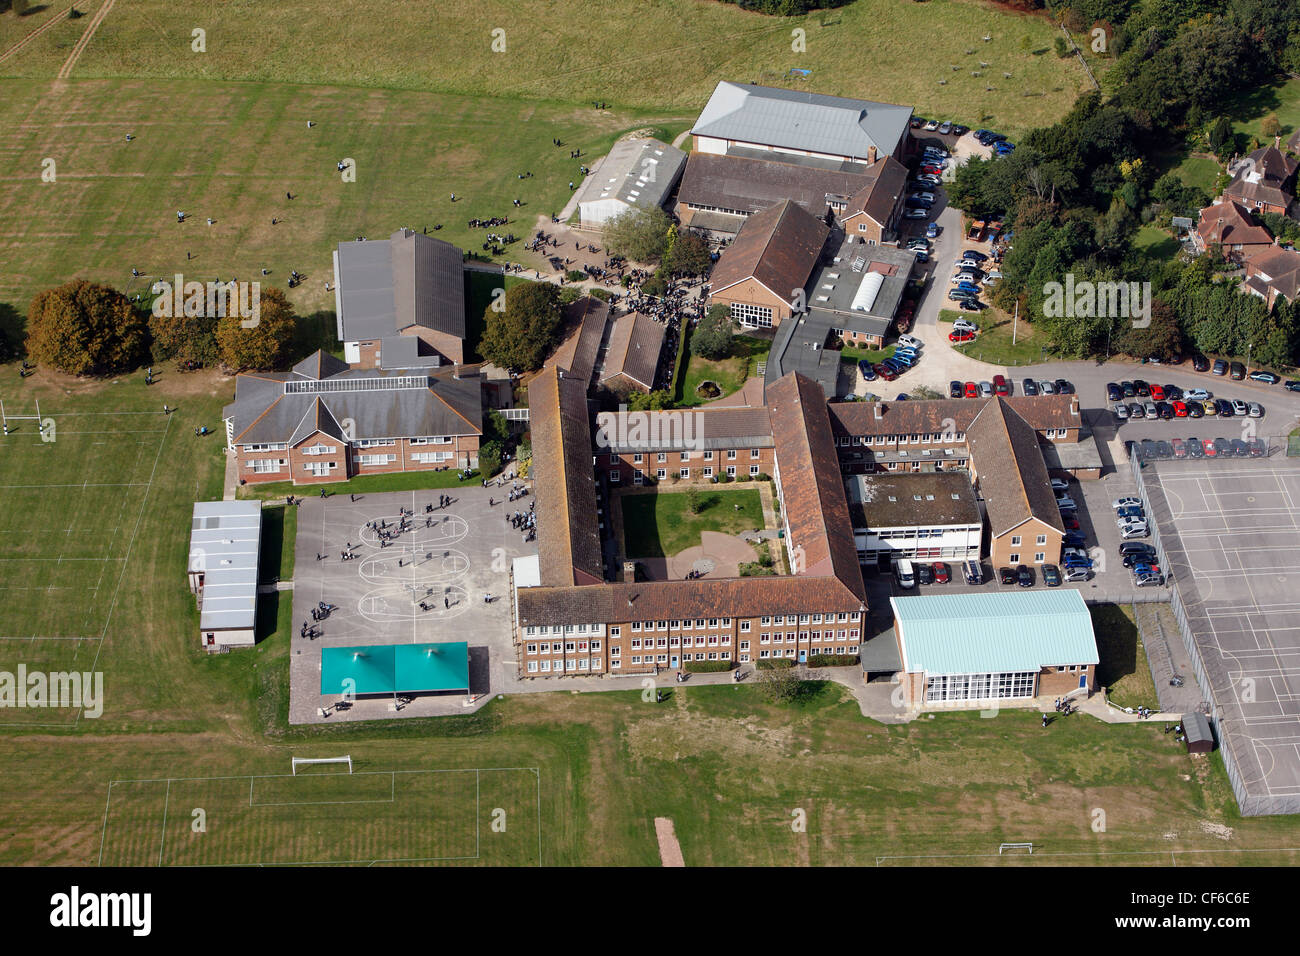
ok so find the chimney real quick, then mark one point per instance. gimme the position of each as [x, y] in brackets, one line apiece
[871, 155]
[629, 575]
[879, 410]
[1074, 406]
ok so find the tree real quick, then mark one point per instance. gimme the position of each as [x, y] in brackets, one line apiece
[639, 234]
[1061, 47]
[185, 338]
[713, 336]
[649, 402]
[1270, 126]
[782, 685]
[694, 500]
[521, 336]
[1162, 338]
[689, 256]
[262, 346]
[86, 329]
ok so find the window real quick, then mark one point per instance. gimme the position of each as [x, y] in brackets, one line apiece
[615, 477]
[637, 459]
[686, 456]
[661, 457]
[375, 459]
[428, 457]
[744, 627]
[1014, 558]
[751, 316]
[319, 449]
[683, 473]
[262, 466]
[1042, 539]
[731, 471]
[661, 473]
[708, 472]
[615, 631]
[1039, 557]
[1015, 541]
[753, 469]
[754, 453]
[731, 454]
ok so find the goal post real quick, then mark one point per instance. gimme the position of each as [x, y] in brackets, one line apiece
[308, 761]
[1015, 846]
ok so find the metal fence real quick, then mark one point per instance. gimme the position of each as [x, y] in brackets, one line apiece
[1250, 805]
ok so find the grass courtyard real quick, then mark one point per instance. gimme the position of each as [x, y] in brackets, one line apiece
[661, 524]
[728, 374]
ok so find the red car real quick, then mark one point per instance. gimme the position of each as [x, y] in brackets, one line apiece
[932, 170]
[1210, 450]
[1180, 409]
[961, 335]
[940, 572]
[1000, 386]
[970, 390]
[1157, 393]
[1071, 524]
[887, 374]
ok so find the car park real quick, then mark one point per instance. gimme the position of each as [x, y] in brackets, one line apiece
[1006, 576]
[1029, 387]
[1267, 378]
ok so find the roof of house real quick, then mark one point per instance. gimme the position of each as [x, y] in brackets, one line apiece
[812, 495]
[634, 349]
[796, 119]
[1280, 266]
[1263, 177]
[568, 538]
[684, 429]
[409, 279]
[273, 407]
[1041, 412]
[1230, 224]
[638, 172]
[748, 184]
[994, 632]
[888, 500]
[778, 247]
[879, 197]
[584, 329]
[1012, 476]
[677, 600]
[224, 540]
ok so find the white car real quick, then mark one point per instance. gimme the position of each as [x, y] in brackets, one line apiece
[1066, 503]
[1121, 411]
[1239, 407]
[1197, 395]
[1060, 484]
[1128, 501]
[962, 325]
[964, 277]
[927, 196]
[1256, 410]
[1133, 531]
[1133, 525]
[910, 341]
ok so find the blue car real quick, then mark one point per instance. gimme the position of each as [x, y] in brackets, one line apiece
[970, 287]
[867, 371]
[1073, 539]
[932, 231]
[1003, 149]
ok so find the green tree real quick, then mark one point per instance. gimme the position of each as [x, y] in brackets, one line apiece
[649, 402]
[520, 336]
[639, 234]
[86, 329]
[689, 256]
[1270, 126]
[263, 346]
[1061, 47]
[712, 338]
[184, 338]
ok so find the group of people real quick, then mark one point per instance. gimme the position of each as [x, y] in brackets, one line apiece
[1064, 707]
[524, 521]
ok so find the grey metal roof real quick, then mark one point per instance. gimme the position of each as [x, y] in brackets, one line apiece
[794, 119]
[224, 541]
[638, 172]
[798, 348]
[995, 633]
[930, 499]
[406, 352]
[386, 285]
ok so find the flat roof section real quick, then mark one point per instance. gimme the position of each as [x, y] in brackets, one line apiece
[225, 537]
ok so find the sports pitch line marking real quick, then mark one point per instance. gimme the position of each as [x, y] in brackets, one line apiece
[391, 774]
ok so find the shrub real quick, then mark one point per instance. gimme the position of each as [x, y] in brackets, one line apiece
[832, 660]
[573, 275]
[775, 663]
[1061, 47]
[756, 569]
[707, 667]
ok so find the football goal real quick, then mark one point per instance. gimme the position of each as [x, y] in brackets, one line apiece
[308, 761]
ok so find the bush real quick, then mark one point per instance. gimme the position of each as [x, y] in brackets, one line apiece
[832, 660]
[775, 663]
[655, 285]
[707, 667]
[489, 458]
[573, 275]
[1061, 47]
[756, 569]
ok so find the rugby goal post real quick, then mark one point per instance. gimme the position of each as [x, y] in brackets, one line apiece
[308, 761]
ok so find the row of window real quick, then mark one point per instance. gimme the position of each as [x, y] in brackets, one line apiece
[571, 665]
[638, 477]
[920, 438]
[638, 458]
[980, 686]
[567, 647]
[565, 629]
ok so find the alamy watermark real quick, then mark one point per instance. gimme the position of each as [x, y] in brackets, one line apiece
[214, 300]
[653, 431]
[1086, 299]
[53, 690]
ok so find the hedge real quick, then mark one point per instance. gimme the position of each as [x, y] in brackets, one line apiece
[832, 660]
[774, 663]
[707, 667]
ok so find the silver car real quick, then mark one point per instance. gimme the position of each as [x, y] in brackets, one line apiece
[1150, 409]
[986, 389]
[1256, 410]
[1121, 412]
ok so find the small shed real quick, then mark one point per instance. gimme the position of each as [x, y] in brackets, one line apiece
[1198, 734]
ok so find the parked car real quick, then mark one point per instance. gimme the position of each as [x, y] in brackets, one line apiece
[1173, 393]
[1006, 576]
[970, 390]
[886, 372]
[931, 125]
[1267, 377]
[1222, 448]
[1059, 484]
[940, 571]
[1240, 449]
[1064, 387]
[1258, 448]
[1224, 406]
[1255, 409]
[916, 214]
[954, 389]
[960, 336]
[1239, 407]
[932, 230]
[1000, 386]
[1136, 411]
[1180, 409]
[1210, 407]
[1197, 394]
[1024, 576]
[973, 571]
[1047, 388]
[945, 127]
[1238, 371]
[924, 574]
[1120, 411]
[1137, 547]
[970, 305]
[1292, 386]
[1195, 410]
[1142, 388]
[1130, 512]
[867, 371]
[1029, 387]
[1113, 392]
[1074, 575]
[1210, 449]
[1195, 449]
[975, 254]
[1220, 367]
[986, 389]
[1158, 392]
[964, 324]
[1128, 389]
[1164, 410]
[1066, 503]
[910, 340]
[1128, 501]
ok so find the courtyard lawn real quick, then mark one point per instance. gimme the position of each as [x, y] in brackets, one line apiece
[664, 56]
[728, 374]
[661, 524]
[874, 356]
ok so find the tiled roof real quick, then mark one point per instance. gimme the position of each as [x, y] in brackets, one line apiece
[678, 600]
[1012, 477]
[1230, 224]
[684, 429]
[386, 285]
[812, 495]
[634, 348]
[750, 185]
[778, 246]
[584, 321]
[889, 500]
[880, 196]
[948, 414]
[568, 537]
